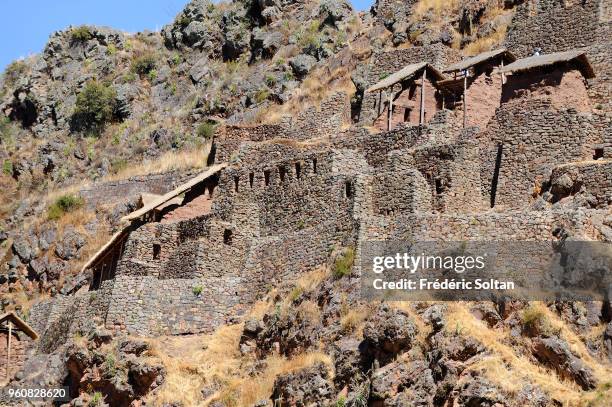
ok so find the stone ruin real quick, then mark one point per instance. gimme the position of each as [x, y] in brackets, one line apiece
[277, 199]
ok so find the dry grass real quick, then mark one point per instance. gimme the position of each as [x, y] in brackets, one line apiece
[353, 321]
[437, 7]
[511, 371]
[486, 43]
[172, 160]
[316, 87]
[195, 362]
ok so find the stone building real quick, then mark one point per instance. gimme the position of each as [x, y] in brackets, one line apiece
[475, 87]
[277, 200]
[560, 77]
[410, 95]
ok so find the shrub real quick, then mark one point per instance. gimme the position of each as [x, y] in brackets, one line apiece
[206, 130]
[111, 49]
[295, 293]
[95, 106]
[344, 263]
[81, 34]
[96, 400]
[63, 205]
[262, 95]
[118, 165]
[109, 367]
[270, 80]
[197, 290]
[144, 64]
[535, 322]
[152, 75]
[14, 71]
[7, 167]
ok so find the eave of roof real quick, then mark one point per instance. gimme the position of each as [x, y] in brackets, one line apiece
[479, 59]
[405, 73]
[539, 61]
[20, 323]
[172, 194]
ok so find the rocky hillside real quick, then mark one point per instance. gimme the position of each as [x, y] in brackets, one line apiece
[102, 117]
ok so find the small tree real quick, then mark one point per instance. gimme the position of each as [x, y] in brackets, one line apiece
[95, 106]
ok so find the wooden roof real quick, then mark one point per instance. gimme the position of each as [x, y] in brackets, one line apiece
[173, 194]
[540, 61]
[405, 73]
[479, 59]
[151, 202]
[19, 323]
[108, 245]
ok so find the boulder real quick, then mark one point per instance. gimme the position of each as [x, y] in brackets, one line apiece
[68, 247]
[477, 391]
[302, 64]
[400, 383]
[264, 44]
[200, 70]
[350, 363]
[23, 249]
[290, 333]
[305, 387]
[388, 332]
[144, 376]
[555, 352]
[133, 346]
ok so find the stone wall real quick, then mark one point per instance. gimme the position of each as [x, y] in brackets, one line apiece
[554, 26]
[565, 87]
[593, 178]
[488, 226]
[400, 192]
[525, 140]
[228, 138]
[131, 188]
[453, 179]
[330, 117]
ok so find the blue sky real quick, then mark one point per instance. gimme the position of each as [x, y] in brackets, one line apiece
[26, 25]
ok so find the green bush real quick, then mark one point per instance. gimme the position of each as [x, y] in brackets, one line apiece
[206, 130]
[344, 263]
[270, 80]
[109, 367]
[262, 95]
[81, 34]
[64, 204]
[7, 167]
[111, 49]
[144, 64]
[197, 290]
[96, 400]
[95, 106]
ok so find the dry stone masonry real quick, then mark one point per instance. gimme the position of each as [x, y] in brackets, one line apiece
[292, 193]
